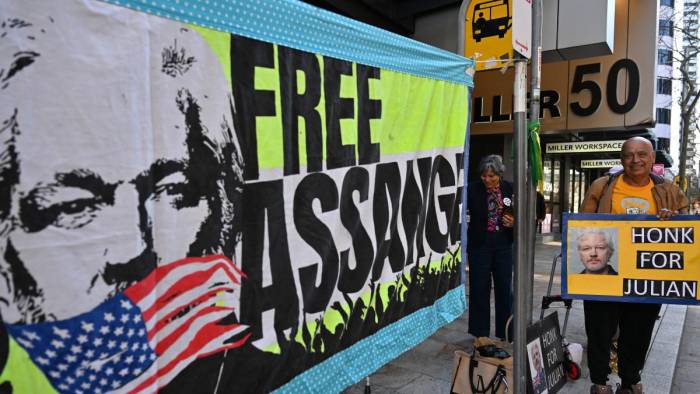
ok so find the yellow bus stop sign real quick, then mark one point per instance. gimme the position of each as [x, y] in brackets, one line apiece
[488, 33]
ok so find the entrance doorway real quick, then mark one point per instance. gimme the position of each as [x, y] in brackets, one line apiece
[565, 185]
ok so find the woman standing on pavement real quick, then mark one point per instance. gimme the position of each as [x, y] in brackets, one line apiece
[489, 247]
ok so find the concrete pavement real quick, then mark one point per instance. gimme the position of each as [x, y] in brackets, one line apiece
[687, 377]
[427, 368]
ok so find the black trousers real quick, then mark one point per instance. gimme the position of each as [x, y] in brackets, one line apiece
[491, 262]
[636, 322]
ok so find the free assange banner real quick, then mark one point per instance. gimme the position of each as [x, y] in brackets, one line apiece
[636, 258]
[216, 197]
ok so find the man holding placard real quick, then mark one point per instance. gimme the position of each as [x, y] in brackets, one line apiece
[633, 191]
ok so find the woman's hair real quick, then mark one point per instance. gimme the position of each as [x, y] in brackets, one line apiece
[492, 163]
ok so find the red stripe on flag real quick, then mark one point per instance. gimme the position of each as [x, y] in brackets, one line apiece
[227, 346]
[183, 284]
[163, 345]
[209, 331]
[165, 319]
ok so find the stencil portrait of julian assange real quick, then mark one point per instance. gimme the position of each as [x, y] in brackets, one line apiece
[120, 183]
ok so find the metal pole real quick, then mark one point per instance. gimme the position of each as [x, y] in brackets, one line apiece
[521, 224]
[461, 24]
[534, 116]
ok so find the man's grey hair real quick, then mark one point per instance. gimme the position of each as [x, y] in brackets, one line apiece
[492, 163]
[606, 235]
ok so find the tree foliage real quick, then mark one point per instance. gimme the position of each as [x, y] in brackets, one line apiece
[684, 47]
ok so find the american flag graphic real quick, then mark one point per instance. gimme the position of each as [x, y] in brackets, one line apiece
[139, 340]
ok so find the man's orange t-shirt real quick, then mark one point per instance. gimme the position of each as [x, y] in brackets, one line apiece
[628, 199]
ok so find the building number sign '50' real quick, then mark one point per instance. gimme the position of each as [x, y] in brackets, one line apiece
[580, 84]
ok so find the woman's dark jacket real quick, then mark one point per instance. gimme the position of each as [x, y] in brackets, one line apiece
[478, 211]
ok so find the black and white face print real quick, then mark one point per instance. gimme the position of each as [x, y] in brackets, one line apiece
[118, 154]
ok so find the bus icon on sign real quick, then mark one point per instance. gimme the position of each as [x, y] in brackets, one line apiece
[490, 18]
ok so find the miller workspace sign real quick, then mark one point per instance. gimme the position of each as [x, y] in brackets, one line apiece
[584, 147]
[599, 163]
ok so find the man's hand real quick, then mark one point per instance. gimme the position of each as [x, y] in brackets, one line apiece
[508, 221]
[665, 213]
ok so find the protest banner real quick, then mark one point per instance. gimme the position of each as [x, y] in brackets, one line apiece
[222, 196]
[636, 258]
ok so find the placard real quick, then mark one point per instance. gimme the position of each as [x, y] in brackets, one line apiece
[545, 356]
[636, 258]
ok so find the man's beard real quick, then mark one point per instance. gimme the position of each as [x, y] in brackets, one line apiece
[601, 270]
[26, 304]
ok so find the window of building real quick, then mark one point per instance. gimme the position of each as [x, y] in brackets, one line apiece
[663, 115]
[664, 86]
[666, 27]
[665, 57]
[667, 3]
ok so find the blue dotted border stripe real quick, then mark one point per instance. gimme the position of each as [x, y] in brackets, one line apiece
[371, 353]
[301, 26]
